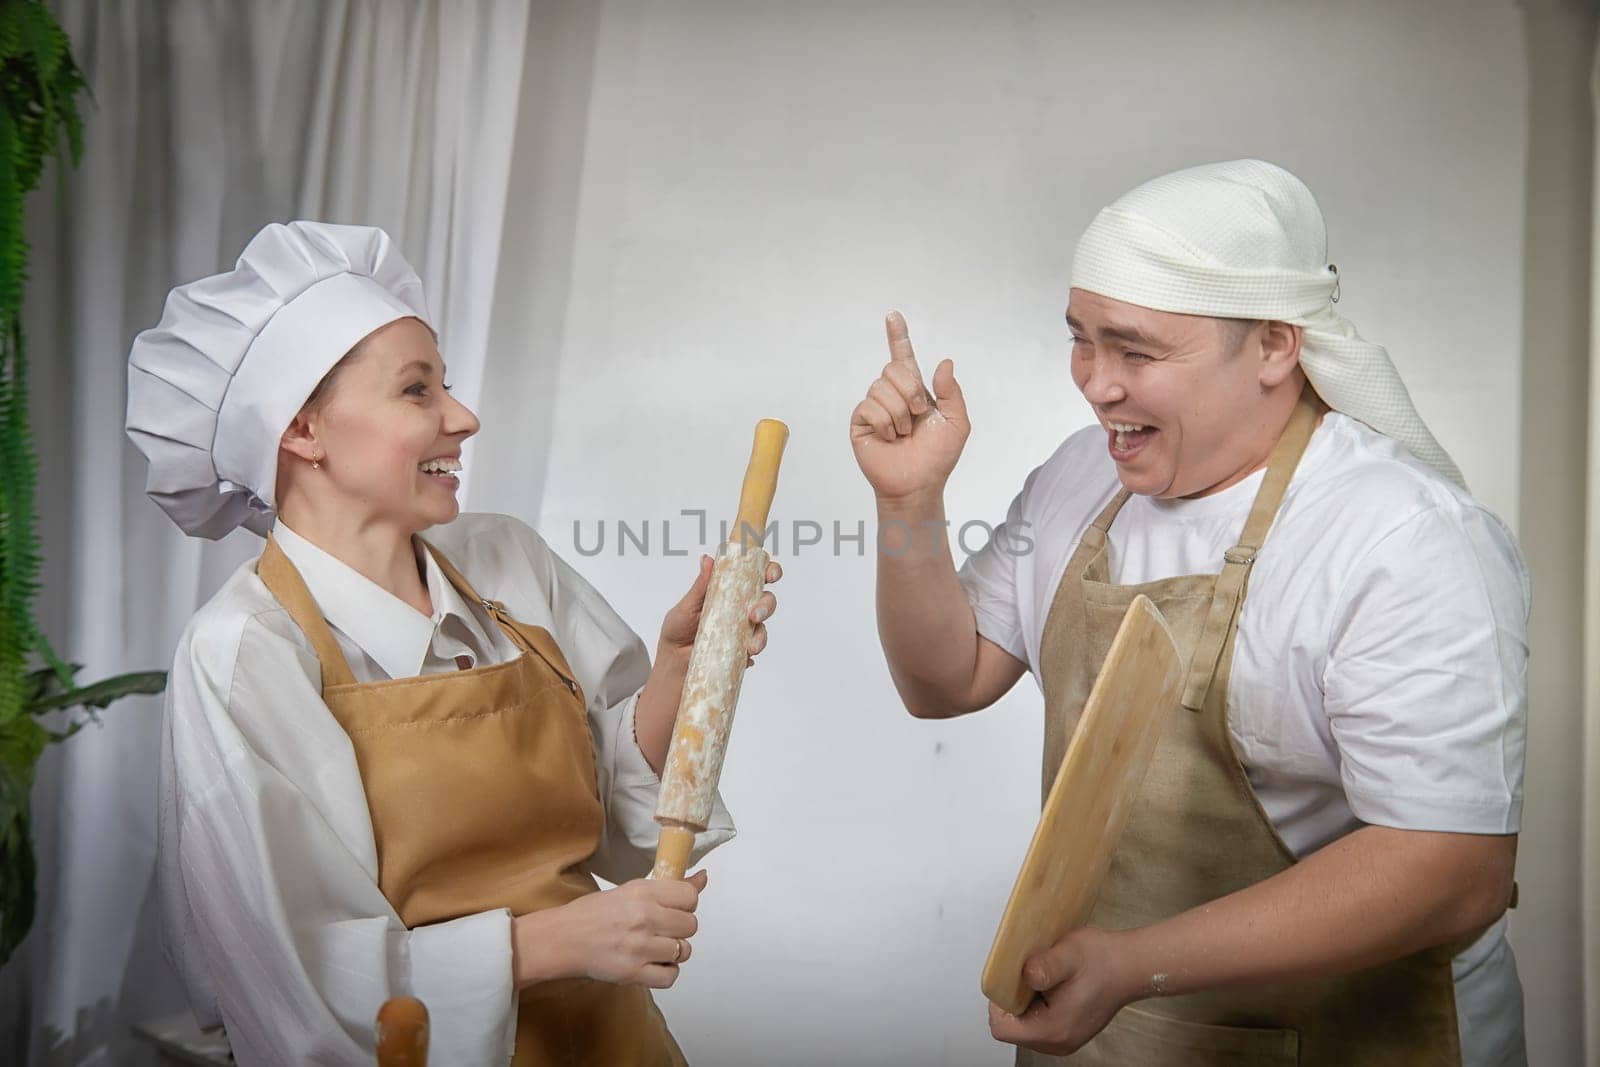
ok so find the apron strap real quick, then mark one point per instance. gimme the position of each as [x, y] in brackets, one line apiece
[1108, 514]
[284, 582]
[535, 639]
[1097, 532]
[1228, 593]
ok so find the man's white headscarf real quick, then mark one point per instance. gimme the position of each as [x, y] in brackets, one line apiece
[1246, 240]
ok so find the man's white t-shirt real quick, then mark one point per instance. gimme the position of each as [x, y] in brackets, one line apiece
[1380, 669]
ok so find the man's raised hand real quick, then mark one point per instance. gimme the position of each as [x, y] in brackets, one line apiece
[907, 440]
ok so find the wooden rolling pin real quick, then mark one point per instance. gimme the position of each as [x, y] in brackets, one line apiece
[716, 664]
[402, 1033]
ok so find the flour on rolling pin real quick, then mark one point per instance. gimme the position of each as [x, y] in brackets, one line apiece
[711, 687]
[716, 666]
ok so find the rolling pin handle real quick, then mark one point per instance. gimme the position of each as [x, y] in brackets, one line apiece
[672, 853]
[760, 482]
[403, 1033]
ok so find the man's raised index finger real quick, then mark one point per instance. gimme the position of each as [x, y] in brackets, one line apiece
[899, 339]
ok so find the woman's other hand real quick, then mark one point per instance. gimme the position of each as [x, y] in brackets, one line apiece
[657, 707]
[635, 934]
[678, 629]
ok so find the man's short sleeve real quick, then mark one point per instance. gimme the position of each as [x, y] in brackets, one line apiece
[990, 579]
[1426, 679]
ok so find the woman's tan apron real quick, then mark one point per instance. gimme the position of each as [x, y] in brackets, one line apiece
[1197, 832]
[482, 790]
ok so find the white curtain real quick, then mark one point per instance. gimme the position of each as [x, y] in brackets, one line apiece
[210, 118]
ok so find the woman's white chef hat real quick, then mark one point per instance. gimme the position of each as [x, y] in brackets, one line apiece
[213, 386]
[1245, 239]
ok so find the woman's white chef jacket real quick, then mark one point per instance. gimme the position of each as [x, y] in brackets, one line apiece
[268, 871]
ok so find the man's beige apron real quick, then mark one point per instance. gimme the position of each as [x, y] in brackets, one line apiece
[1197, 832]
[482, 789]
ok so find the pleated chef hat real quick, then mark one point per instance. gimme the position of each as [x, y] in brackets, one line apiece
[1246, 240]
[213, 386]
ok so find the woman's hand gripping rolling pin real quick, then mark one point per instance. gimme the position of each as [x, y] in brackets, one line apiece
[637, 933]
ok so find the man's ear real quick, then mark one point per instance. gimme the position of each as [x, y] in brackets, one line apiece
[300, 439]
[1280, 352]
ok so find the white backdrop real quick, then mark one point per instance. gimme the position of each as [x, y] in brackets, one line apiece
[706, 209]
[760, 183]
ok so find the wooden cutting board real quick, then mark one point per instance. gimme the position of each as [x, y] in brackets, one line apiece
[1138, 687]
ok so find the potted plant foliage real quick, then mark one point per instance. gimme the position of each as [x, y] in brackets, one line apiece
[40, 83]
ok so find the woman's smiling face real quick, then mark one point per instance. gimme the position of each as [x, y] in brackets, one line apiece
[390, 432]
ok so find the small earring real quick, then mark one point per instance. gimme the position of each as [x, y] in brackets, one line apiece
[316, 464]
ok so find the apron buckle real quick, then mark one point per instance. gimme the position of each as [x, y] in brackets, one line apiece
[1242, 555]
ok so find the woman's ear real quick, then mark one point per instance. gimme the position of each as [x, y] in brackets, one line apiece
[1280, 353]
[300, 439]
